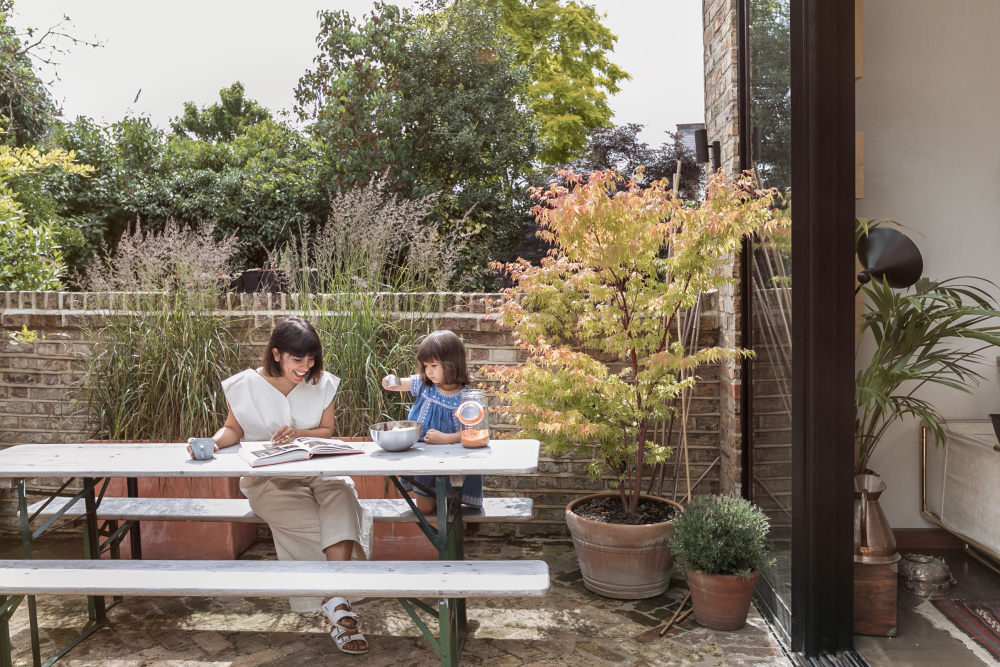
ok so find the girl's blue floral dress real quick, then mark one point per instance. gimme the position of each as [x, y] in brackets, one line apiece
[436, 410]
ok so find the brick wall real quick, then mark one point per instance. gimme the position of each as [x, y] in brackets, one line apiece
[722, 124]
[37, 393]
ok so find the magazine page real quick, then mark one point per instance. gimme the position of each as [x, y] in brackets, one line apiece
[326, 445]
[267, 453]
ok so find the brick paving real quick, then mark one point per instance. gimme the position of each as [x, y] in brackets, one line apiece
[569, 626]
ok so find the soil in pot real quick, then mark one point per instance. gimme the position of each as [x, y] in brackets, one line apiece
[609, 510]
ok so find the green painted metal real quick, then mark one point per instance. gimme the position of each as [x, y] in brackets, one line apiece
[88, 630]
[419, 622]
[22, 509]
[449, 633]
[446, 538]
[6, 609]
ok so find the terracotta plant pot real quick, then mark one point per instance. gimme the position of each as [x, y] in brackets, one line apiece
[621, 561]
[721, 601]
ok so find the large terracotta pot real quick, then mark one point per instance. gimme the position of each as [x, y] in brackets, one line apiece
[721, 601]
[621, 561]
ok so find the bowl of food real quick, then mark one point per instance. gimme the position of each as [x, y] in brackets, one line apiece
[395, 436]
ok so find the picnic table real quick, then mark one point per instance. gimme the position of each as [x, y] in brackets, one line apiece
[450, 579]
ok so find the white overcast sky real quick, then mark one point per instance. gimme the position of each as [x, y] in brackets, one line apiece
[187, 50]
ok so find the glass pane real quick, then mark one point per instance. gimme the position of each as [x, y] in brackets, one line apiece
[771, 415]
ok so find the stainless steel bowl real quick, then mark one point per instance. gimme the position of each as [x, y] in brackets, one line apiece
[395, 436]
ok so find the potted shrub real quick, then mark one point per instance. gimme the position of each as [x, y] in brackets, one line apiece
[599, 320]
[720, 542]
[935, 333]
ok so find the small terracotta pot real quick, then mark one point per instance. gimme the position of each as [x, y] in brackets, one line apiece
[721, 601]
[621, 561]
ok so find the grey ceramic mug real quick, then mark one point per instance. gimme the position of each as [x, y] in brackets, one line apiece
[203, 448]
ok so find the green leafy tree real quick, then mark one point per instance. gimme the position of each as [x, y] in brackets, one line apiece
[30, 257]
[26, 110]
[566, 47]
[223, 121]
[261, 183]
[770, 90]
[434, 103]
[615, 148]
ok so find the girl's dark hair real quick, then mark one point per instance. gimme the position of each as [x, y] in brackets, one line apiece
[449, 350]
[298, 338]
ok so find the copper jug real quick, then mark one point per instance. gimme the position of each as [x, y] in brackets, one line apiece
[874, 541]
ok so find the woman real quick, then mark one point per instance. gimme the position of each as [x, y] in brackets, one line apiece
[311, 518]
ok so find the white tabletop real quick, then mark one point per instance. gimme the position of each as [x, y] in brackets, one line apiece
[513, 457]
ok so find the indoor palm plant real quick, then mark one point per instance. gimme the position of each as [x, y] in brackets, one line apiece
[599, 319]
[721, 543]
[935, 333]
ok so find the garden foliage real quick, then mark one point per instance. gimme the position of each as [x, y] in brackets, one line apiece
[721, 535]
[600, 317]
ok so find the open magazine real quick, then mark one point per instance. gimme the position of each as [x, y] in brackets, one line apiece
[299, 449]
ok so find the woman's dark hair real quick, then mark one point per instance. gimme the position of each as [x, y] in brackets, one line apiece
[298, 338]
[449, 350]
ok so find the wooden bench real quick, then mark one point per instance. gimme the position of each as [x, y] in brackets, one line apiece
[449, 582]
[383, 510]
[397, 579]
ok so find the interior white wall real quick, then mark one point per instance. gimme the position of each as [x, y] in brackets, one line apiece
[929, 106]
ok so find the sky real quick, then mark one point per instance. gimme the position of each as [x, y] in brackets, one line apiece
[168, 52]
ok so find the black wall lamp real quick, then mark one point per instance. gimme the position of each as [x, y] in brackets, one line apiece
[702, 147]
[887, 253]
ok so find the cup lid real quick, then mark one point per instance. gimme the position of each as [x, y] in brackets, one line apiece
[470, 412]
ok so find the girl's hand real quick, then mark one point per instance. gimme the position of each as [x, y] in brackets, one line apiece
[436, 437]
[283, 435]
[391, 382]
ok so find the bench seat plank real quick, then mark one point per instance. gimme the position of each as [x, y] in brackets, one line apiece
[438, 579]
[383, 510]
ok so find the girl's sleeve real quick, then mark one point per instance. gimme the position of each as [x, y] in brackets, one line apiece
[416, 386]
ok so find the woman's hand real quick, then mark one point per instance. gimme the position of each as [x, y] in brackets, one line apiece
[284, 435]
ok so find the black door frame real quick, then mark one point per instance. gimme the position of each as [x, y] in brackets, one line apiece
[823, 411]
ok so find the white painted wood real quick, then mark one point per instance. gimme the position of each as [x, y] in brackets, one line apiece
[383, 510]
[275, 578]
[512, 457]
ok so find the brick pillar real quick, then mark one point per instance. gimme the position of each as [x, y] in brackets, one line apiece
[722, 125]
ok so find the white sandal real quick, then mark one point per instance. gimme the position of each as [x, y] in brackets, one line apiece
[342, 637]
[336, 615]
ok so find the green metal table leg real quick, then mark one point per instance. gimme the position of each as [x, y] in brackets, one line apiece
[7, 608]
[22, 508]
[92, 549]
[447, 539]
[449, 633]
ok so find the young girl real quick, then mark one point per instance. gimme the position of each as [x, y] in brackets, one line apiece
[441, 376]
